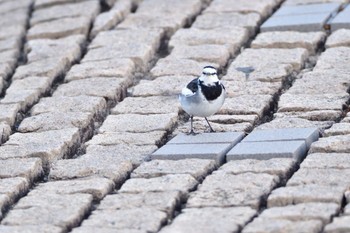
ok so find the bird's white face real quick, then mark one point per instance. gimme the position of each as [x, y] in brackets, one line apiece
[209, 75]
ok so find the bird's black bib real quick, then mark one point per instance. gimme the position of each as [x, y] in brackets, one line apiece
[211, 92]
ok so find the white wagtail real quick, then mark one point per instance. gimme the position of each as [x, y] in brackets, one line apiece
[203, 96]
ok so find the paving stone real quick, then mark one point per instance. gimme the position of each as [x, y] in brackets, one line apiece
[234, 119]
[10, 43]
[347, 207]
[215, 152]
[4, 203]
[30, 229]
[268, 150]
[289, 39]
[164, 86]
[304, 2]
[92, 165]
[307, 9]
[238, 88]
[318, 115]
[172, 182]
[341, 20]
[331, 144]
[147, 105]
[75, 9]
[57, 120]
[140, 139]
[147, 123]
[13, 188]
[48, 145]
[233, 38]
[223, 189]
[133, 153]
[329, 160]
[10, 6]
[121, 67]
[43, 84]
[146, 219]
[200, 125]
[218, 54]
[336, 58]
[307, 102]
[198, 168]
[339, 224]
[330, 176]
[110, 88]
[260, 225]
[25, 98]
[5, 132]
[306, 23]
[97, 187]
[281, 167]
[339, 38]
[338, 129]
[12, 31]
[60, 28]
[292, 195]
[163, 201]
[246, 104]
[60, 210]
[228, 20]
[208, 138]
[16, 17]
[302, 212]
[211, 220]
[101, 229]
[177, 67]
[30, 168]
[48, 3]
[8, 113]
[288, 134]
[91, 104]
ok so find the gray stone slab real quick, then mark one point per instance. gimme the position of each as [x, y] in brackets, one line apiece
[317, 115]
[198, 168]
[336, 58]
[30, 168]
[209, 220]
[259, 225]
[339, 224]
[268, 150]
[340, 37]
[205, 138]
[308, 9]
[302, 212]
[327, 160]
[8, 113]
[177, 67]
[31, 229]
[288, 134]
[301, 23]
[13, 188]
[338, 144]
[341, 20]
[215, 152]
[5, 132]
[223, 189]
[103, 229]
[291, 195]
[25, 98]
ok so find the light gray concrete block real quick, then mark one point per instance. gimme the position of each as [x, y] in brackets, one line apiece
[288, 134]
[205, 138]
[268, 150]
[339, 224]
[342, 20]
[308, 9]
[185, 151]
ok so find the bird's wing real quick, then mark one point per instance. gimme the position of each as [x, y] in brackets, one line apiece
[191, 88]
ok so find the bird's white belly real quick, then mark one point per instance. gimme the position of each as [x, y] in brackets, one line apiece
[197, 105]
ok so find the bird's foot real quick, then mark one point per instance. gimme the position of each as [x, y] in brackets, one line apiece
[192, 133]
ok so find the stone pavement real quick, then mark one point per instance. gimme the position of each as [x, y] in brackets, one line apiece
[92, 134]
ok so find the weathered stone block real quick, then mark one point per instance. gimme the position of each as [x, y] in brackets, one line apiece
[339, 38]
[205, 138]
[30, 168]
[339, 224]
[327, 160]
[331, 144]
[338, 129]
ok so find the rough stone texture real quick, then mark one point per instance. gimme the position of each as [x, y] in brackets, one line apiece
[102, 229]
[325, 161]
[161, 86]
[43, 84]
[95, 105]
[60, 28]
[333, 177]
[136, 123]
[228, 20]
[30, 229]
[145, 219]
[339, 38]
[204, 138]
[225, 190]
[338, 129]
[198, 168]
[8, 113]
[339, 224]
[302, 212]
[120, 67]
[318, 115]
[307, 102]
[200, 125]
[307, 9]
[163, 201]
[330, 144]
[90, 165]
[13, 188]
[234, 119]
[173, 182]
[239, 87]
[208, 220]
[147, 105]
[140, 139]
[260, 225]
[30, 168]
[289, 39]
[305, 2]
[60, 210]
[5, 132]
[97, 187]
[336, 58]
[48, 145]
[268, 150]
[25, 98]
[292, 195]
[281, 167]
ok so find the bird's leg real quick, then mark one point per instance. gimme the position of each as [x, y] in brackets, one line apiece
[192, 131]
[211, 129]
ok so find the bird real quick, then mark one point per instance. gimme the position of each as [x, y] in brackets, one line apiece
[203, 96]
